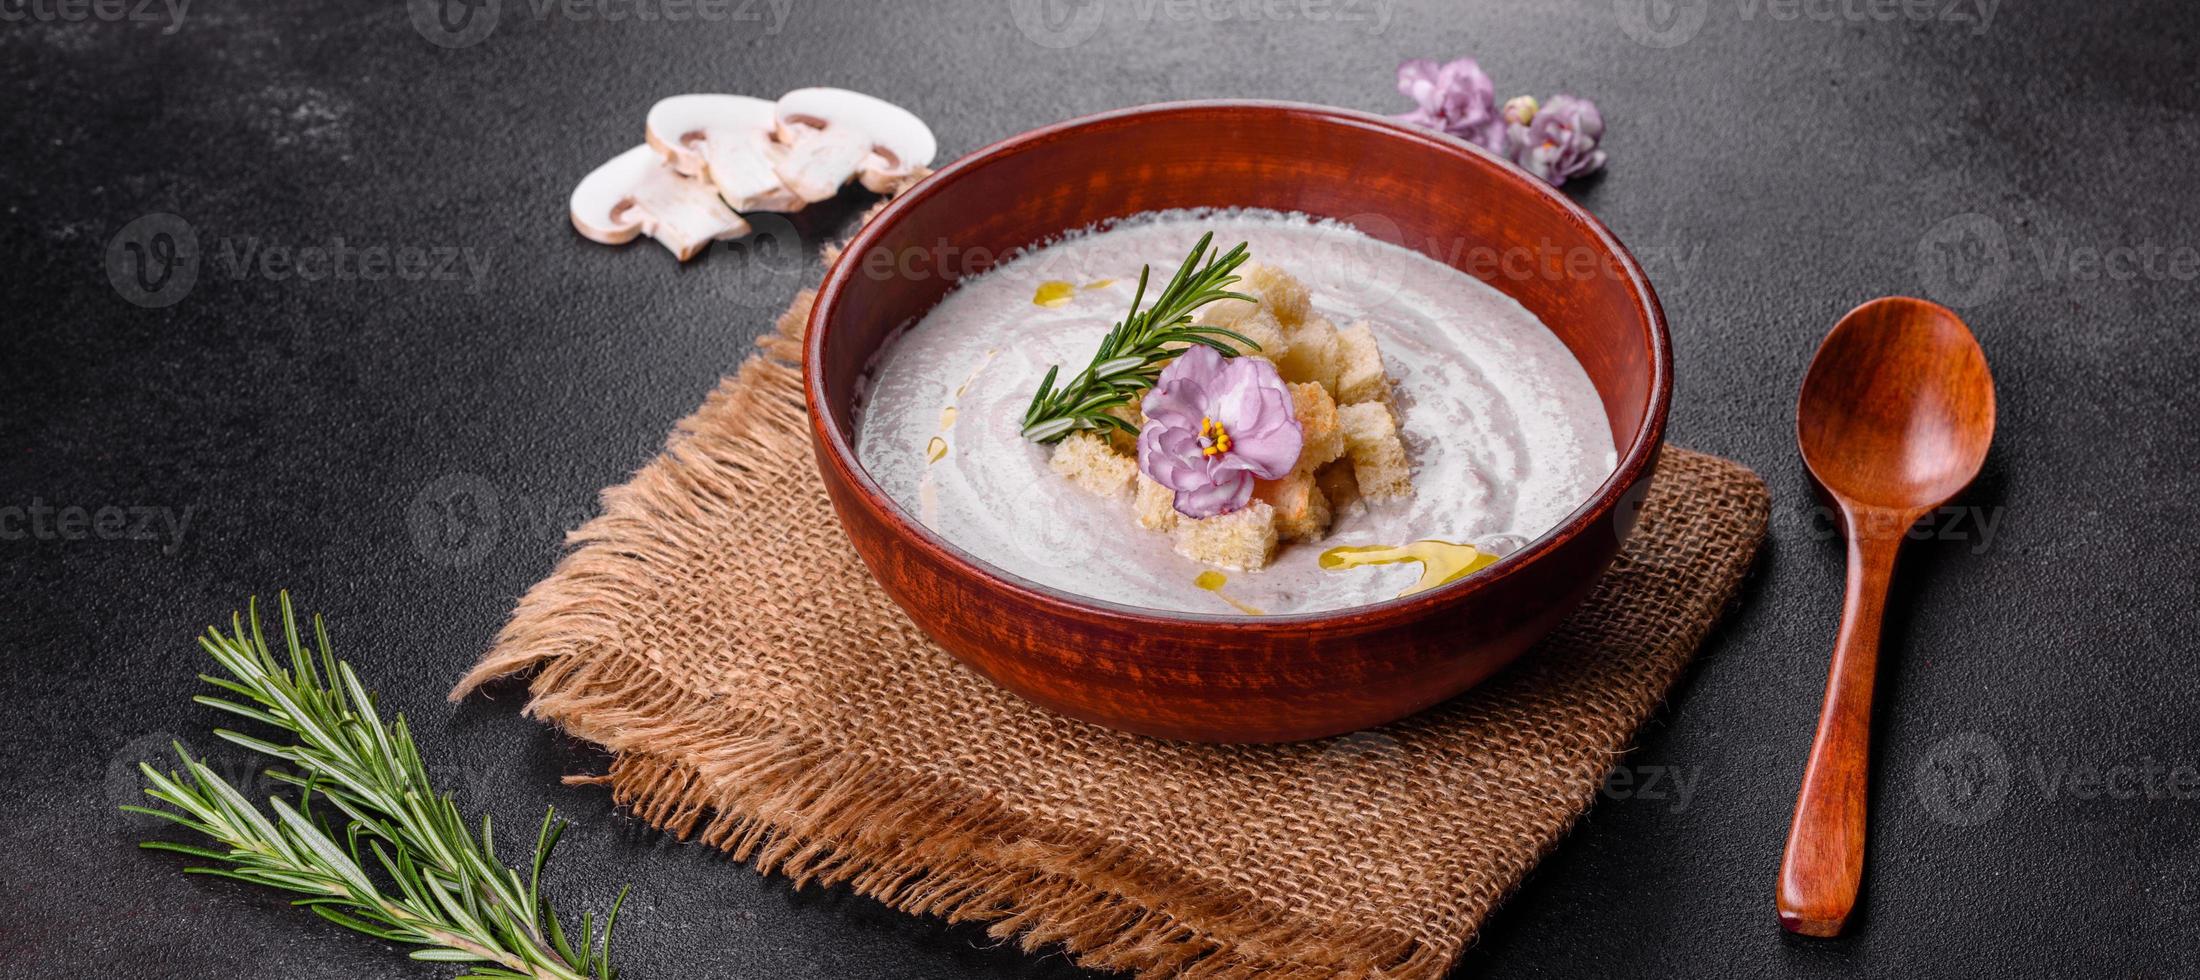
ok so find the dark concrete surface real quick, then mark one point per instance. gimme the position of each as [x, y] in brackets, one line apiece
[1774, 165]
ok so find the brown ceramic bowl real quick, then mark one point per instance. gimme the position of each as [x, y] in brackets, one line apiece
[1241, 678]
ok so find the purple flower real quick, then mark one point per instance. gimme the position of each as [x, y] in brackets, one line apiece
[1213, 426]
[1559, 142]
[1455, 98]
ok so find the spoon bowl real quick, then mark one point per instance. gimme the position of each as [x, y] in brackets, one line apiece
[1897, 408]
[1895, 416]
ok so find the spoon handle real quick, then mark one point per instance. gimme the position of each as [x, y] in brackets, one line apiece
[1824, 862]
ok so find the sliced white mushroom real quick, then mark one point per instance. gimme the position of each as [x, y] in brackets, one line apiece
[895, 142]
[816, 166]
[638, 193]
[728, 141]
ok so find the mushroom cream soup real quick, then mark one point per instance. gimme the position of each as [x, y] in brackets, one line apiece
[1504, 434]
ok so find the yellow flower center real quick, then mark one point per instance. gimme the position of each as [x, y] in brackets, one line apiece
[1214, 438]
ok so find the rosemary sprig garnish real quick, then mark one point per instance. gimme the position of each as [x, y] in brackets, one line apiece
[1132, 355]
[403, 865]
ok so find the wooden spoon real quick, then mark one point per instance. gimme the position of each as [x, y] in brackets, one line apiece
[1895, 416]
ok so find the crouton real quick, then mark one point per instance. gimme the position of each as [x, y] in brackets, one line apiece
[1302, 512]
[1260, 327]
[1310, 353]
[1338, 484]
[1317, 415]
[1119, 440]
[1360, 374]
[1378, 458]
[1227, 312]
[1084, 457]
[1280, 293]
[1156, 505]
[1274, 291]
[1243, 539]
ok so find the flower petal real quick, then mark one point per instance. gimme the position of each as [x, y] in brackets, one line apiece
[1180, 402]
[1235, 398]
[1231, 493]
[1418, 80]
[1271, 449]
[1171, 456]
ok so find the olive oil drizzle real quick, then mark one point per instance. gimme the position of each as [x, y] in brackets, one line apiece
[936, 449]
[1055, 292]
[1442, 562]
[1213, 581]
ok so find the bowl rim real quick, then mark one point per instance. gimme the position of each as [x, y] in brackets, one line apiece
[1633, 462]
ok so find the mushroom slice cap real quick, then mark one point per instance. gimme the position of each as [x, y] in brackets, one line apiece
[681, 127]
[638, 193]
[727, 140]
[900, 142]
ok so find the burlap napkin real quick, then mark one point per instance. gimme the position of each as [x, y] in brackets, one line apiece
[715, 632]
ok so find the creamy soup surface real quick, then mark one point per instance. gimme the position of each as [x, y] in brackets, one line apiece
[1505, 433]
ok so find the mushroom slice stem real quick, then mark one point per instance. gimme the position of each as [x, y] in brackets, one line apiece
[822, 160]
[726, 140]
[638, 193]
[746, 173]
[900, 143]
[882, 171]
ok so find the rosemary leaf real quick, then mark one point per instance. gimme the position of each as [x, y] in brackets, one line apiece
[402, 865]
[1131, 356]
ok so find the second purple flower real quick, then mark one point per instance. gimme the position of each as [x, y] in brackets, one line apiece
[1559, 141]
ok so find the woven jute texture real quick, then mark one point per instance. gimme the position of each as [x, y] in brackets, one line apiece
[715, 632]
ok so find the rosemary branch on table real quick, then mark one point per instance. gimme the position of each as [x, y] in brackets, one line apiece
[1132, 355]
[401, 863]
